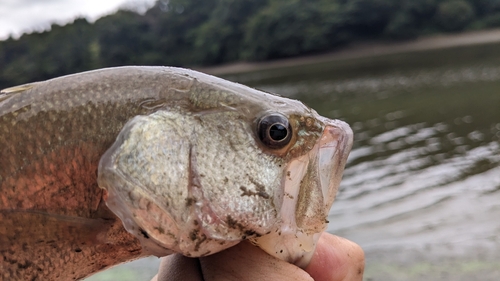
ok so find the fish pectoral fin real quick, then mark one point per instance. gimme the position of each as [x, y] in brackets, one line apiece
[34, 226]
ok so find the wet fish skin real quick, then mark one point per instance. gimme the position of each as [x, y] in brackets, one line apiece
[56, 132]
[52, 135]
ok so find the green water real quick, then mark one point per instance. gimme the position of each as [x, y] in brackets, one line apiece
[421, 192]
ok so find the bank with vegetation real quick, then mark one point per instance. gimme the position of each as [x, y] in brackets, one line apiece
[212, 32]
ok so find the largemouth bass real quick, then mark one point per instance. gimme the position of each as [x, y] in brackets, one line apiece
[105, 166]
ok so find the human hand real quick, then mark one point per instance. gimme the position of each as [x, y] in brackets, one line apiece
[335, 259]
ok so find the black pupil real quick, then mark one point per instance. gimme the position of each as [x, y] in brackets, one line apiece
[274, 131]
[278, 132]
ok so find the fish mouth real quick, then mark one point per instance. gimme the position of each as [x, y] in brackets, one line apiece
[334, 147]
[310, 185]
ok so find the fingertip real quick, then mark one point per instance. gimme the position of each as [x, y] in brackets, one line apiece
[178, 267]
[336, 259]
[247, 262]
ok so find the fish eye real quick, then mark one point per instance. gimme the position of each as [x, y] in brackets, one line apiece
[274, 131]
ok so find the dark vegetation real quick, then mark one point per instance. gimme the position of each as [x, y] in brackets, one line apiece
[209, 32]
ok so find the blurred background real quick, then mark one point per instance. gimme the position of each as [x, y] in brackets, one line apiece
[418, 81]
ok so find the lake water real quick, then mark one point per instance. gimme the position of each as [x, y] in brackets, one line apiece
[421, 191]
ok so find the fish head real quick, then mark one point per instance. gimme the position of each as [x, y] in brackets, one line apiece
[221, 163]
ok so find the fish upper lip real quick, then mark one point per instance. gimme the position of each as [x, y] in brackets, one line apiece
[334, 147]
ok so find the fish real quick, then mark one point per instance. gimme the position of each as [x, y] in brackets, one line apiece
[105, 166]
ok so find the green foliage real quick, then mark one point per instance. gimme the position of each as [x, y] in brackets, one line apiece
[121, 38]
[193, 32]
[402, 26]
[411, 17]
[368, 17]
[492, 21]
[422, 9]
[454, 15]
[290, 28]
[485, 7]
[40, 56]
[218, 39]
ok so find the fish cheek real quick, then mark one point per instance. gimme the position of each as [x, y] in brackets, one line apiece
[238, 180]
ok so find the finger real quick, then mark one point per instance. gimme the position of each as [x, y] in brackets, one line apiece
[179, 267]
[246, 262]
[336, 259]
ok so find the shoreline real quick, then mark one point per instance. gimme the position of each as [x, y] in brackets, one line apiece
[362, 50]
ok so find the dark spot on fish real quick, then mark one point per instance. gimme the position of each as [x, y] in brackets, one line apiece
[236, 225]
[261, 189]
[190, 201]
[206, 253]
[247, 192]
[144, 233]
[231, 222]
[171, 235]
[198, 243]
[327, 221]
[281, 251]
[160, 229]
[78, 250]
[193, 235]
[195, 222]
[135, 250]
[263, 195]
[199, 239]
[252, 233]
[25, 265]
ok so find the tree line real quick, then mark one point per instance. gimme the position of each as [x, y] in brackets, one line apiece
[210, 32]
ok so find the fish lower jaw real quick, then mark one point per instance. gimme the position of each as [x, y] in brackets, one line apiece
[288, 244]
[288, 241]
